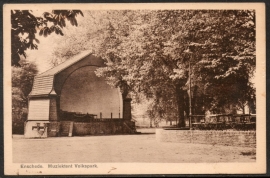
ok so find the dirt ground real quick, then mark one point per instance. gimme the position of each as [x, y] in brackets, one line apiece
[139, 148]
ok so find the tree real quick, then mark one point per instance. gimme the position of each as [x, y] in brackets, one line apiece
[22, 82]
[154, 58]
[148, 52]
[25, 25]
[225, 69]
[136, 62]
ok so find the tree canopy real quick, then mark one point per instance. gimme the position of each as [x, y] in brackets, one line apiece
[148, 53]
[22, 82]
[25, 25]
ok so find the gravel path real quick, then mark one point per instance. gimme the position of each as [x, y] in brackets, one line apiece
[123, 148]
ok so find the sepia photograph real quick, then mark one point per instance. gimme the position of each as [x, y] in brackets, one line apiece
[157, 88]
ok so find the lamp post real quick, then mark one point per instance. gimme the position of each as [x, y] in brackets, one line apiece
[189, 74]
[190, 109]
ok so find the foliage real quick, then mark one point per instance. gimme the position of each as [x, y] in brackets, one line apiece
[226, 68]
[148, 52]
[93, 28]
[25, 25]
[22, 82]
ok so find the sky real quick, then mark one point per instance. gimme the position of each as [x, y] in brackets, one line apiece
[43, 54]
[45, 49]
[46, 46]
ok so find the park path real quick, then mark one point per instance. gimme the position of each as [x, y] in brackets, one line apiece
[140, 148]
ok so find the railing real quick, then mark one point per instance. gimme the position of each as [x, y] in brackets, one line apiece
[92, 119]
[85, 117]
[223, 122]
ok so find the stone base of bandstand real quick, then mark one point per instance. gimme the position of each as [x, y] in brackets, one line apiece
[44, 129]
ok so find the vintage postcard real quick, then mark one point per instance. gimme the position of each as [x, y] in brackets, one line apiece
[134, 88]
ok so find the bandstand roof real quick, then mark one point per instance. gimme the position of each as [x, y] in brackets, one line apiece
[43, 83]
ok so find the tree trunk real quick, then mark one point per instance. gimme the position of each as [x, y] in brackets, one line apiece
[194, 100]
[181, 106]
